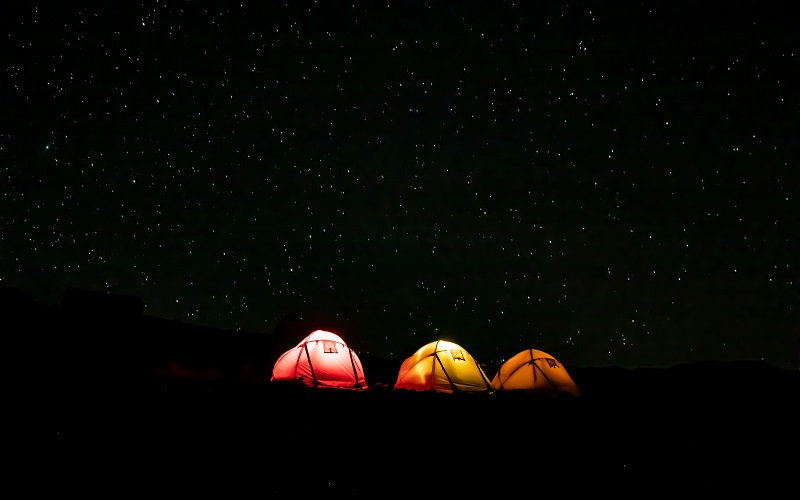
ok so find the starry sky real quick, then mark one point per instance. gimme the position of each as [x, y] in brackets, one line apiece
[611, 182]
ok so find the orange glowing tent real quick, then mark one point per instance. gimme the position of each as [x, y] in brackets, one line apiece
[534, 371]
[442, 366]
[321, 360]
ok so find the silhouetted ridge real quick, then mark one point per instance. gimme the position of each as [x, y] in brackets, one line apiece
[103, 304]
[105, 338]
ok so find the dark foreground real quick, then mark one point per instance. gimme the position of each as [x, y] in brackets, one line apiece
[654, 433]
[100, 401]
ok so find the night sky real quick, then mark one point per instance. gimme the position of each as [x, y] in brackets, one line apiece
[614, 183]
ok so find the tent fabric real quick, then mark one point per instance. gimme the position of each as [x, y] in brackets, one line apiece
[442, 366]
[321, 360]
[534, 371]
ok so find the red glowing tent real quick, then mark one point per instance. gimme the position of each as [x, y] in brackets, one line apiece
[321, 360]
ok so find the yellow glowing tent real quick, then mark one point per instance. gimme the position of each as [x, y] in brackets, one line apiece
[442, 366]
[536, 372]
[321, 360]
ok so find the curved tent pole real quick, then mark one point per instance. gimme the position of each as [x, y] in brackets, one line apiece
[355, 368]
[436, 357]
[487, 383]
[535, 367]
[311, 365]
[483, 375]
[299, 353]
[504, 380]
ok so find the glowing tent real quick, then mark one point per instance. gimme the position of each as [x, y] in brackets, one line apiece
[442, 366]
[321, 360]
[536, 372]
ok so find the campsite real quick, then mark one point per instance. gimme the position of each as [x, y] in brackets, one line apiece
[135, 414]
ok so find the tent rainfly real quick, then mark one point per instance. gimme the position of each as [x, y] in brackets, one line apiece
[442, 366]
[321, 360]
[535, 372]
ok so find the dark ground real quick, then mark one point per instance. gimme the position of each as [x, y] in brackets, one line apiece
[129, 418]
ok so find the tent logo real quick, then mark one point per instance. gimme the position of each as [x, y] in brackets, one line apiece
[457, 354]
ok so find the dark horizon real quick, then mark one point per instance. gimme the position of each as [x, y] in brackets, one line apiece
[167, 410]
[94, 308]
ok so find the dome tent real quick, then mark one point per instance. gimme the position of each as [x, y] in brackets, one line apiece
[442, 366]
[534, 371]
[321, 360]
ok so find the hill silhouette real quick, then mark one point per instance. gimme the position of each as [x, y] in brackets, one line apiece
[164, 408]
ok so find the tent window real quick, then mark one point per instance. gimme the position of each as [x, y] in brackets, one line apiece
[552, 363]
[329, 346]
[457, 354]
